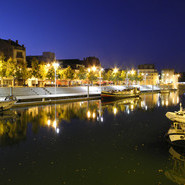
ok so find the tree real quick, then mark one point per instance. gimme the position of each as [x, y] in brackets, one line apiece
[51, 73]
[42, 71]
[35, 68]
[82, 74]
[21, 71]
[92, 76]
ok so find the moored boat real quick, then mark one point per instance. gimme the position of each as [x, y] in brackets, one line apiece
[178, 116]
[176, 134]
[7, 103]
[116, 94]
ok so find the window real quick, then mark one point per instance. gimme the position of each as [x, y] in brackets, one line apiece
[19, 55]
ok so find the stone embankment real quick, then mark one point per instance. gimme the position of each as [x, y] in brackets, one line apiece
[50, 94]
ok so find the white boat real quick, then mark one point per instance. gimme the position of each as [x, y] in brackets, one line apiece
[7, 103]
[177, 116]
[176, 134]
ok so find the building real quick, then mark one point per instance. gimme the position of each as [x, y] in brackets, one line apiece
[168, 77]
[12, 50]
[91, 61]
[46, 57]
[149, 73]
[73, 63]
[76, 63]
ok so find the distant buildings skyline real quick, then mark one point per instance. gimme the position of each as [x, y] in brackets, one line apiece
[18, 52]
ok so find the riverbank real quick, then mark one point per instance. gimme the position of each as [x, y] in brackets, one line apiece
[31, 96]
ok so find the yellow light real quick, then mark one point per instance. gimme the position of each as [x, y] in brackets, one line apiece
[178, 75]
[55, 65]
[48, 65]
[166, 102]
[89, 70]
[55, 124]
[133, 72]
[132, 107]
[49, 122]
[115, 70]
[115, 110]
[94, 115]
[88, 114]
[94, 68]
[142, 74]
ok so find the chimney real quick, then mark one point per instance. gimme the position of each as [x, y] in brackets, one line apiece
[16, 41]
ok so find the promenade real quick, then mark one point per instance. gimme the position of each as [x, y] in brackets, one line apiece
[50, 94]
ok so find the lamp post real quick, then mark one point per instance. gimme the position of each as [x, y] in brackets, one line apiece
[115, 70]
[132, 72]
[101, 69]
[55, 65]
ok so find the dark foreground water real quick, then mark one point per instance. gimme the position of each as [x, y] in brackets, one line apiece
[91, 143]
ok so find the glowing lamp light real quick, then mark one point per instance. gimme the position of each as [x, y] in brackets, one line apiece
[55, 124]
[94, 68]
[132, 107]
[93, 115]
[133, 72]
[49, 122]
[55, 65]
[101, 119]
[115, 70]
[88, 114]
[57, 130]
[115, 110]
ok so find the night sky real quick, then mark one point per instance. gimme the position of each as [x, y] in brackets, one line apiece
[121, 33]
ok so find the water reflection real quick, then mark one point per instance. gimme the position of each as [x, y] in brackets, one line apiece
[14, 128]
[176, 173]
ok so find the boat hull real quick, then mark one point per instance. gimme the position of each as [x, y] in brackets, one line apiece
[126, 93]
[175, 117]
[176, 139]
[5, 105]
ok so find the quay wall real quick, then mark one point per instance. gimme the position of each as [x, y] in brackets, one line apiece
[25, 94]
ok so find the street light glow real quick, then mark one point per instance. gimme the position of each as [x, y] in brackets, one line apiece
[94, 68]
[133, 72]
[55, 65]
[115, 70]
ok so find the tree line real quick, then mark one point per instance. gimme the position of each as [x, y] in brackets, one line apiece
[20, 71]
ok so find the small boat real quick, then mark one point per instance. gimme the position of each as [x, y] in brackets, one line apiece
[7, 103]
[177, 116]
[176, 134]
[116, 94]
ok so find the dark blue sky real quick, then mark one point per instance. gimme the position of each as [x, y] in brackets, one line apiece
[119, 32]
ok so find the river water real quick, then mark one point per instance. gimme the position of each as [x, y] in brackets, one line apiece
[91, 143]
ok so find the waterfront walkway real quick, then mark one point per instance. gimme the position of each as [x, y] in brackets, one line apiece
[34, 94]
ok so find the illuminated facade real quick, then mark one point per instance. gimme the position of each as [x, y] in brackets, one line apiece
[149, 74]
[168, 76]
[12, 50]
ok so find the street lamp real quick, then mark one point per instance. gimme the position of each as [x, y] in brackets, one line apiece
[115, 70]
[94, 68]
[55, 65]
[132, 72]
[101, 69]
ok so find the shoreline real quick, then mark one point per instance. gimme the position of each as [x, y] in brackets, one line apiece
[67, 99]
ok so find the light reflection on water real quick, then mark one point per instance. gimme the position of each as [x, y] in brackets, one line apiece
[123, 129]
